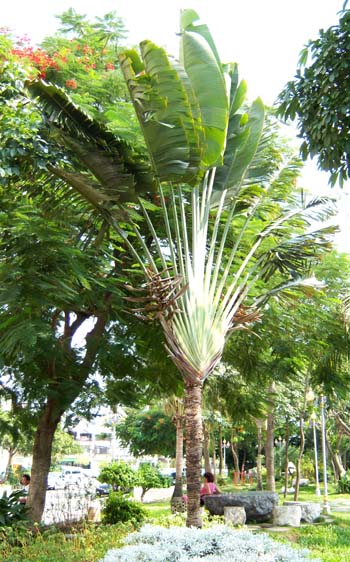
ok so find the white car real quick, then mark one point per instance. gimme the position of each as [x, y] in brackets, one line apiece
[55, 481]
[74, 476]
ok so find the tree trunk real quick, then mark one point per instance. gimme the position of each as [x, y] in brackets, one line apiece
[179, 456]
[221, 460]
[235, 456]
[244, 461]
[207, 465]
[8, 469]
[52, 413]
[286, 462]
[259, 482]
[45, 432]
[338, 467]
[214, 454]
[300, 455]
[194, 438]
[270, 442]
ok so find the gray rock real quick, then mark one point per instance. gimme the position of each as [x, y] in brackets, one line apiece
[287, 515]
[310, 511]
[235, 515]
[258, 505]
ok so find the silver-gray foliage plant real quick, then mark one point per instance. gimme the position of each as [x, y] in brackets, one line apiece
[215, 544]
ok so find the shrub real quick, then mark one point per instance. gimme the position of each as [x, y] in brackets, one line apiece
[308, 468]
[149, 476]
[118, 509]
[343, 485]
[120, 475]
[11, 510]
[217, 544]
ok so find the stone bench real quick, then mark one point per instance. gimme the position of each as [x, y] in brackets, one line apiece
[258, 506]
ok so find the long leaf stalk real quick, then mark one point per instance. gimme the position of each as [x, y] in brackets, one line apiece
[180, 256]
[168, 231]
[155, 237]
[228, 268]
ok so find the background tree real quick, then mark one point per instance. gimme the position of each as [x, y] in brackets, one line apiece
[318, 98]
[49, 277]
[149, 432]
[120, 476]
[174, 406]
[63, 444]
[149, 477]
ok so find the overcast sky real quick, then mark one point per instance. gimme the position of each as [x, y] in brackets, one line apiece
[264, 37]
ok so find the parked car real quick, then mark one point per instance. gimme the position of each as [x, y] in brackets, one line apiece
[74, 475]
[55, 481]
[103, 489]
[171, 473]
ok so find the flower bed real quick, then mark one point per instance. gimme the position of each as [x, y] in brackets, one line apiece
[215, 544]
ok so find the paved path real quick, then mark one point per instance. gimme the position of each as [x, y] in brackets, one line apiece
[340, 505]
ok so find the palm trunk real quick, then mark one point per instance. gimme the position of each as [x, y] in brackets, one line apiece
[194, 438]
[47, 425]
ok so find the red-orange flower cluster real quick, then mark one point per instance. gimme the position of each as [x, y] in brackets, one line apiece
[41, 60]
[71, 84]
[61, 60]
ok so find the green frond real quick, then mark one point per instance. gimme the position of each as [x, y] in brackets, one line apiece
[165, 114]
[113, 162]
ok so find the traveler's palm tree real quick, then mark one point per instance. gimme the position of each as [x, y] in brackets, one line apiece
[233, 232]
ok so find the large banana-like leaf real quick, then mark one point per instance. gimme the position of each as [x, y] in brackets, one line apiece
[168, 119]
[119, 169]
[242, 144]
[202, 65]
[187, 19]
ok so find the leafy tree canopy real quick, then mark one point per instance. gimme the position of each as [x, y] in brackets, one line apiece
[120, 475]
[318, 97]
[148, 432]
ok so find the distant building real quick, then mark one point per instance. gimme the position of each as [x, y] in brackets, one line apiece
[98, 440]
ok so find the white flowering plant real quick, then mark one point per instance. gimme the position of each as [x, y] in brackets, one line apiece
[220, 543]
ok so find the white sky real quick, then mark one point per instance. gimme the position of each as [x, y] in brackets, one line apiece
[263, 36]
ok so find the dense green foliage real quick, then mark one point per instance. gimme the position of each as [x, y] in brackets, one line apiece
[62, 271]
[88, 543]
[149, 476]
[148, 432]
[343, 484]
[120, 475]
[119, 509]
[12, 511]
[318, 97]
